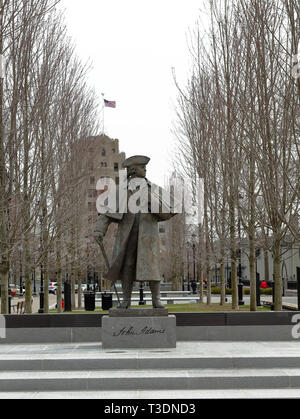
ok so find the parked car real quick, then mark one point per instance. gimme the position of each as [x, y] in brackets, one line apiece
[76, 288]
[52, 288]
[83, 287]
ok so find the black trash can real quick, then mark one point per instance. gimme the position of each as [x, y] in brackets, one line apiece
[107, 301]
[194, 287]
[90, 301]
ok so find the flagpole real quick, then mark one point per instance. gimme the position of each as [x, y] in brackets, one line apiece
[103, 116]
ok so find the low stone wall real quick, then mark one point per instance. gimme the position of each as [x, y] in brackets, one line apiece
[73, 328]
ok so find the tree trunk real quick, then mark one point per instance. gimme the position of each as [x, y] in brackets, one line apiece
[28, 276]
[252, 267]
[4, 261]
[200, 265]
[59, 272]
[59, 288]
[277, 276]
[223, 284]
[79, 276]
[4, 269]
[46, 284]
[252, 256]
[234, 282]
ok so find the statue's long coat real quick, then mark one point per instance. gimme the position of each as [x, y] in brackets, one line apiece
[148, 249]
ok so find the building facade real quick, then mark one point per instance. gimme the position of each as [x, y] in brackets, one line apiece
[103, 160]
[264, 266]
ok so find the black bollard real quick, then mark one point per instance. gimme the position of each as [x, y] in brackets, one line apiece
[142, 302]
[68, 300]
[258, 302]
[273, 297]
[240, 288]
[41, 310]
[229, 282]
[9, 304]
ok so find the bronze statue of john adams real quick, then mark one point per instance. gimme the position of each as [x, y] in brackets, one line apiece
[136, 255]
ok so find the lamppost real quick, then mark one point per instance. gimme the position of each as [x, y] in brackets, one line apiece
[227, 271]
[194, 281]
[258, 303]
[194, 255]
[87, 240]
[188, 261]
[20, 248]
[94, 280]
[41, 218]
[240, 285]
[41, 310]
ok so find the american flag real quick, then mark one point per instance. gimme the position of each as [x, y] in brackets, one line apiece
[110, 104]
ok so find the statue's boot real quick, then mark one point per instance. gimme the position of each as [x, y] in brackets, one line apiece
[127, 291]
[155, 289]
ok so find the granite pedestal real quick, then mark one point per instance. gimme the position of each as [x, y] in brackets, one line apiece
[139, 328]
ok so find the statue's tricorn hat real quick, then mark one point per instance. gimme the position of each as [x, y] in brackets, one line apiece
[136, 161]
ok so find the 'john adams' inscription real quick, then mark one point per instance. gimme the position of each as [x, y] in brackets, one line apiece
[138, 332]
[131, 331]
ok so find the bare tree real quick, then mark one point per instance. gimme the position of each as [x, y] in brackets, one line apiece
[238, 127]
[48, 107]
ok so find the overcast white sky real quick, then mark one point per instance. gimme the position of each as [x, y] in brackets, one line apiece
[133, 45]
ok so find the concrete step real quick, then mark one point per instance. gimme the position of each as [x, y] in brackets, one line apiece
[176, 379]
[195, 368]
[125, 362]
[176, 395]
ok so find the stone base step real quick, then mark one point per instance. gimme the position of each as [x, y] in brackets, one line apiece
[156, 396]
[126, 362]
[176, 379]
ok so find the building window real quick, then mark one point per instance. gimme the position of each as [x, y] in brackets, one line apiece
[91, 193]
[162, 229]
[116, 167]
[103, 152]
[92, 180]
[114, 151]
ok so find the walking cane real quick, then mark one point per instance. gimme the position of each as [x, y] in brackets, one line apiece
[108, 267]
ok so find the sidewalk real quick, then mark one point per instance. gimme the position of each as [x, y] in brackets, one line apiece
[183, 350]
[36, 302]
